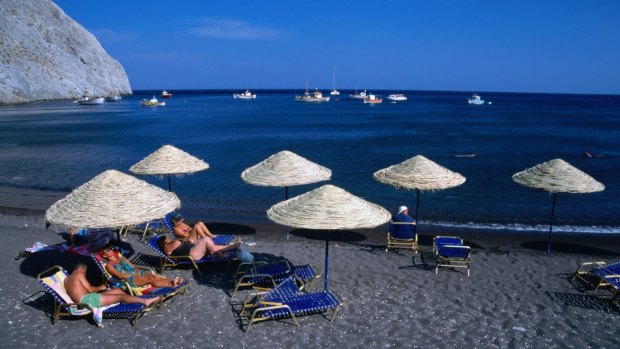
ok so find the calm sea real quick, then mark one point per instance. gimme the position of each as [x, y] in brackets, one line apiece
[61, 145]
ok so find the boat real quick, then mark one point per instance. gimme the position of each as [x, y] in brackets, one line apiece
[372, 99]
[475, 100]
[397, 97]
[113, 98]
[334, 92]
[245, 95]
[315, 96]
[153, 102]
[361, 95]
[88, 100]
[166, 94]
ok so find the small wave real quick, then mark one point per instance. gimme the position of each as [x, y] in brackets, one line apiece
[569, 229]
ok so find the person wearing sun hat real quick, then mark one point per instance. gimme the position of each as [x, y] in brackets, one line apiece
[402, 215]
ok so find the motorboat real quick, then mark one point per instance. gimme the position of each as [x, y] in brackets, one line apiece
[166, 94]
[475, 100]
[334, 92]
[316, 96]
[397, 97]
[361, 95]
[113, 98]
[88, 100]
[153, 102]
[372, 99]
[245, 95]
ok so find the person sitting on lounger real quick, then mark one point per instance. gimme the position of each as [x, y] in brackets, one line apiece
[196, 251]
[81, 291]
[402, 215]
[192, 234]
[121, 268]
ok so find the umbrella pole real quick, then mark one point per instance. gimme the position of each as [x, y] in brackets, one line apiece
[417, 207]
[551, 223]
[169, 185]
[326, 259]
[286, 198]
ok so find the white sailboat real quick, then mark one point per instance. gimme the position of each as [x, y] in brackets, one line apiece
[334, 92]
[316, 96]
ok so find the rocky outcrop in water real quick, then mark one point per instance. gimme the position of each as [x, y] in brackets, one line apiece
[45, 55]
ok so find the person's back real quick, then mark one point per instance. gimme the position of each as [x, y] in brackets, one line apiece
[402, 231]
[402, 215]
[74, 284]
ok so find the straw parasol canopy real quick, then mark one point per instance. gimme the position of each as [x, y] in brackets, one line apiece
[285, 169]
[328, 208]
[557, 176]
[112, 199]
[168, 160]
[419, 174]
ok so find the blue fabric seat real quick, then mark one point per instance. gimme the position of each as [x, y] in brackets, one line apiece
[450, 252]
[287, 300]
[174, 261]
[273, 273]
[600, 275]
[402, 235]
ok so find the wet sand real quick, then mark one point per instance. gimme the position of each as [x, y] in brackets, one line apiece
[518, 296]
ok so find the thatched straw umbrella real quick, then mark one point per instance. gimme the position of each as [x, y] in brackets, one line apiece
[557, 176]
[328, 208]
[419, 174]
[112, 199]
[168, 160]
[285, 169]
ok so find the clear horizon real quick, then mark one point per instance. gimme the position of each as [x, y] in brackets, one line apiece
[550, 47]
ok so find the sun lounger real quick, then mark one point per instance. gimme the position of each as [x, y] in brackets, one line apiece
[165, 292]
[149, 228]
[286, 300]
[450, 252]
[218, 240]
[174, 261]
[65, 306]
[600, 275]
[271, 274]
[402, 235]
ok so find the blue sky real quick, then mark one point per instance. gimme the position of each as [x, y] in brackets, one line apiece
[538, 46]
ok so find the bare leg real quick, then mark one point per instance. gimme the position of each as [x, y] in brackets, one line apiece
[112, 296]
[152, 279]
[203, 231]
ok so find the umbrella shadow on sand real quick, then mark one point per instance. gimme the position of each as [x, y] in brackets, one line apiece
[585, 301]
[231, 229]
[43, 260]
[341, 236]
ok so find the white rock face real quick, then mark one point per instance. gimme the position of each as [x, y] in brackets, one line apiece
[45, 55]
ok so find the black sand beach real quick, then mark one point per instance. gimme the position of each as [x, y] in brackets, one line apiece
[518, 296]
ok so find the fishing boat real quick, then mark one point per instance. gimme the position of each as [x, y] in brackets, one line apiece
[88, 100]
[166, 94]
[361, 95]
[475, 100]
[245, 95]
[316, 96]
[153, 102]
[334, 92]
[397, 97]
[372, 99]
[113, 98]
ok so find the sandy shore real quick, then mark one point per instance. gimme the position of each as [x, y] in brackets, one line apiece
[518, 296]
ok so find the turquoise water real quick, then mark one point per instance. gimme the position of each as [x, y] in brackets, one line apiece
[60, 145]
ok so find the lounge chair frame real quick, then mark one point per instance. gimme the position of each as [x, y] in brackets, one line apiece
[451, 262]
[62, 308]
[256, 308]
[255, 276]
[397, 243]
[605, 276]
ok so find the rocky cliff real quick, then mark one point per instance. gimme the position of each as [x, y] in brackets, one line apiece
[44, 55]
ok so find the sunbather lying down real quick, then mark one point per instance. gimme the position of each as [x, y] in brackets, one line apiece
[81, 291]
[196, 251]
[121, 268]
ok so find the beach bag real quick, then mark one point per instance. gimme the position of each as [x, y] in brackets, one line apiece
[245, 256]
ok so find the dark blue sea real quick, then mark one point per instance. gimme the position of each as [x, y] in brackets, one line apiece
[57, 146]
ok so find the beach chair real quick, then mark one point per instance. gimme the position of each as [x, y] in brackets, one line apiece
[218, 240]
[271, 274]
[402, 235]
[154, 227]
[287, 301]
[54, 284]
[600, 275]
[175, 261]
[450, 252]
[165, 292]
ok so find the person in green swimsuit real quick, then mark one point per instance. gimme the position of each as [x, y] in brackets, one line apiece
[121, 268]
[81, 291]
